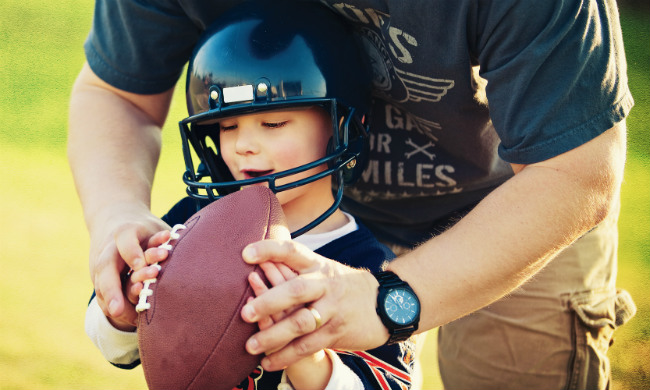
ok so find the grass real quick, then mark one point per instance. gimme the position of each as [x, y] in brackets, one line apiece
[44, 283]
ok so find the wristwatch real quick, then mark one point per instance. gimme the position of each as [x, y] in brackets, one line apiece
[397, 306]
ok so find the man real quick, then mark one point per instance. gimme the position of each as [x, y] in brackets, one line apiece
[498, 129]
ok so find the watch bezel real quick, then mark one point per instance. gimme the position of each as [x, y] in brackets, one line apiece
[406, 291]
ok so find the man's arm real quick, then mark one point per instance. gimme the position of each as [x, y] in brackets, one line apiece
[513, 233]
[517, 229]
[114, 143]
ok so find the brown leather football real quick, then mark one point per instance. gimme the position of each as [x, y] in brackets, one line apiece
[192, 335]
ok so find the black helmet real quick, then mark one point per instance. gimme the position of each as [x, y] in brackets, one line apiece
[268, 55]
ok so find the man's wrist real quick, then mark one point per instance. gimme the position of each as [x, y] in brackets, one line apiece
[374, 322]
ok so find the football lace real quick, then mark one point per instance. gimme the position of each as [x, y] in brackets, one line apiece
[146, 291]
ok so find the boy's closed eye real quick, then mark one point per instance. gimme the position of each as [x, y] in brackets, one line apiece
[226, 126]
[229, 127]
[274, 125]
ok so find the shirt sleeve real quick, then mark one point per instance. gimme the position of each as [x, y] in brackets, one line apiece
[555, 71]
[140, 46]
[342, 376]
[118, 347]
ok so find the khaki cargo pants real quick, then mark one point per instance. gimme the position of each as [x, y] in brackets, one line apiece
[551, 333]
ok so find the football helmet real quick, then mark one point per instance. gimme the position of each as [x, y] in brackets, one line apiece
[268, 55]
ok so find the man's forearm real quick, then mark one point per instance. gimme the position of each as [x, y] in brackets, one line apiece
[515, 231]
[113, 147]
[112, 152]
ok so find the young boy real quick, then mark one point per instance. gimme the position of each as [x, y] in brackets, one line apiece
[277, 94]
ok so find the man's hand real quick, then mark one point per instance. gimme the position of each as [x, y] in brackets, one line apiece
[344, 297]
[117, 249]
[152, 256]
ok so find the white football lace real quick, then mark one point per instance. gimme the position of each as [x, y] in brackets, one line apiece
[284, 384]
[146, 291]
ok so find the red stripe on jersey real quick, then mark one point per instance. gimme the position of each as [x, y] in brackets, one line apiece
[380, 378]
[373, 361]
[380, 363]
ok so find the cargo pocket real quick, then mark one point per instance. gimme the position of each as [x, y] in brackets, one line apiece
[596, 316]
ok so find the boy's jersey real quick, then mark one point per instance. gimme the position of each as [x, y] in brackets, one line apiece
[386, 367]
[462, 88]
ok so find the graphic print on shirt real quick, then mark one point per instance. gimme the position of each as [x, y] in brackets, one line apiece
[404, 160]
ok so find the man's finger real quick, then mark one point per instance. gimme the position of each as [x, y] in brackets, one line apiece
[298, 291]
[155, 255]
[129, 247]
[299, 323]
[294, 255]
[158, 238]
[113, 302]
[133, 292]
[108, 283]
[298, 349]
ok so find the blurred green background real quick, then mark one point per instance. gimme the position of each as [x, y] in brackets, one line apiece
[44, 282]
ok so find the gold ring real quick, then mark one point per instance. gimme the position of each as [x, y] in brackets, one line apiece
[317, 317]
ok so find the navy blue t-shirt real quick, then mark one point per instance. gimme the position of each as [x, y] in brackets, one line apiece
[462, 88]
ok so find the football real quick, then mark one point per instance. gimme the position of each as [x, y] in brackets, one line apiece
[190, 332]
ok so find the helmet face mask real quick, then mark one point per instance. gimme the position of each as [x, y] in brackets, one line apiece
[263, 56]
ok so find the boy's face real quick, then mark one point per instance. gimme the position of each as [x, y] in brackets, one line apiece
[269, 142]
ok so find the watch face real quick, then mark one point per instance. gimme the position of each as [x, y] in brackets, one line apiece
[401, 306]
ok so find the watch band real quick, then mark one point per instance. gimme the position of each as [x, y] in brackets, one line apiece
[389, 279]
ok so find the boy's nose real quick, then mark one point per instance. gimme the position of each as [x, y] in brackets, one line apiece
[247, 142]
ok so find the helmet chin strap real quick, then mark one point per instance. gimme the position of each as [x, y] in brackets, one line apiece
[335, 205]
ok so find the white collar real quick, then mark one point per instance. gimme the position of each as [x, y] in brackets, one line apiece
[314, 241]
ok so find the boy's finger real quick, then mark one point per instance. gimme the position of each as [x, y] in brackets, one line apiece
[257, 284]
[273, 273]
[265, 323]
[287, 272]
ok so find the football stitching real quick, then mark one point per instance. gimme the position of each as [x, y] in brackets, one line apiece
[146, 291]
[190, 223]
